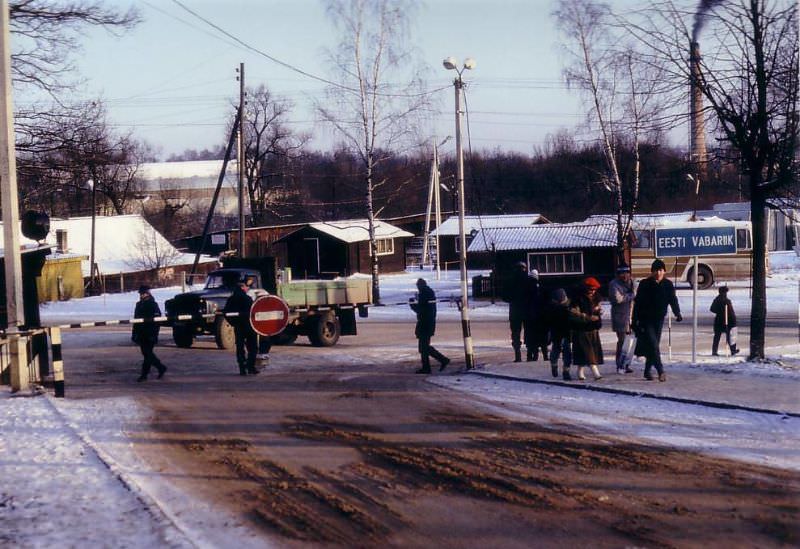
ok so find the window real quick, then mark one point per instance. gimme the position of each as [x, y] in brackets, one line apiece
[643, 239]
[743, 241]
[385, 246]
[557, 263]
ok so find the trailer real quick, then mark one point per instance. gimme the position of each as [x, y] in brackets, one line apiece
[322, 310]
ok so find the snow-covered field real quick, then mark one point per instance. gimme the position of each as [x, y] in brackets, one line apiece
[69, 474]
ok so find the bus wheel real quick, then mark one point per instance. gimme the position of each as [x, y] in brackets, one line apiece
[705, 279]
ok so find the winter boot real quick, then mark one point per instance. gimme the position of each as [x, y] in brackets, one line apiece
[581, 375]
[734, 350]
[529, 356]
[596, 372]
[565, 376]
[517, 355]
[161, 371]
[554, 369]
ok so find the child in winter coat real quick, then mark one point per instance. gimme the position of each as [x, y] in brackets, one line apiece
[724, 321]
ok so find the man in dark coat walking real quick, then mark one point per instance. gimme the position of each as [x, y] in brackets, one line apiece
[425, 307]
[522, 294]
[145, 334]
[246, 338]
[654, 295]
[724, 321]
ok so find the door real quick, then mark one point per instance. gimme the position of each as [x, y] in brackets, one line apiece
[310, 257]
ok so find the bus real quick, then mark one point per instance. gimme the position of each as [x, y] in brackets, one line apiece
[711, 269]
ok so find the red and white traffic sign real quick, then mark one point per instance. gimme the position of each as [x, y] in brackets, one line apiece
[269, 315]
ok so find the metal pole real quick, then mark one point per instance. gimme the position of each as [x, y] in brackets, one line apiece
[15, 312]
[426, 231]
[465, 328]
[438, 201]
[241, 162]
[694, 311]
[92, 284]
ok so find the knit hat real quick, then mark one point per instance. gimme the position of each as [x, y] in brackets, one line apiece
[723, 289]
[623, 268]
[591, 282]
[144, 289]
[657, 265]
[560, 296]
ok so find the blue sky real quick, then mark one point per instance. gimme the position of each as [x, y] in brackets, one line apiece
[172, 78]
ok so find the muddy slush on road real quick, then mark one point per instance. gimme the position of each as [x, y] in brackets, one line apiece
[354, 453]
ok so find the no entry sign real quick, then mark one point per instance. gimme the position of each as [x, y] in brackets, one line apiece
[695, 241]
[269, 315]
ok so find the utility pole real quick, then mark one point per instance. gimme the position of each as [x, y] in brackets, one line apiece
[92, 260]
[458, 83]
[10, 209]
[241, 162]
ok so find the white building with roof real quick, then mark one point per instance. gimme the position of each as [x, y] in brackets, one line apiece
[193, 182]
[124, 245]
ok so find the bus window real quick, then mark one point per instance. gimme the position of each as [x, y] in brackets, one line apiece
[643, 239]
[743, 239]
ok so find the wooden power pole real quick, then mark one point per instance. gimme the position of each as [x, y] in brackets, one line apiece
[241, 162]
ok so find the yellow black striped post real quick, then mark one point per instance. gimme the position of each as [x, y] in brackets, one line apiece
[58, 363]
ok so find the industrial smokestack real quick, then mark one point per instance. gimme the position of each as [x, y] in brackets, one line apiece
[697, 132]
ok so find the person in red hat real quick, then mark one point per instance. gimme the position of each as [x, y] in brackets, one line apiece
[584, 315]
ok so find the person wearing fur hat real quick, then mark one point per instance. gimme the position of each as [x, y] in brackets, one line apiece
[620, 294]
[724, 321]
[584, 317]
[145, 334]
[654, 295]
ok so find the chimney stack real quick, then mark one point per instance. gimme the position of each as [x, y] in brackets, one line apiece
[697, 133]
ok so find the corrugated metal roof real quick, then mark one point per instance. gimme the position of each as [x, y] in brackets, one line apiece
[478, 222]
[550, 236]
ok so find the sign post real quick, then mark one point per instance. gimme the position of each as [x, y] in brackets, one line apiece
[269, 315]
[695, 240]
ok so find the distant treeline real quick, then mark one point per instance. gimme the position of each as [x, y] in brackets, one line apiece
[563, 182]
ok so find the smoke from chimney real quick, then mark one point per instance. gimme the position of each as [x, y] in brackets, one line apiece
[700, 16]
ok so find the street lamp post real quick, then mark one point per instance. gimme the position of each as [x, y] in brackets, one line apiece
[451, 64]
[92, 186]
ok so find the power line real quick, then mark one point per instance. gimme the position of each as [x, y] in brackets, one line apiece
[289, 65]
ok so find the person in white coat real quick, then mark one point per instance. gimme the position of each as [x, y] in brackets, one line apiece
[620, 295]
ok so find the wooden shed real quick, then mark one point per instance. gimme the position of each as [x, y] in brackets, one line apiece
[328, 249]
[562, 253]
[448, 233]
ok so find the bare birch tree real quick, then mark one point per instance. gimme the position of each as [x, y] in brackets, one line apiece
[375, 100]
[749, 79]
[269, 142]
[621, 94]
